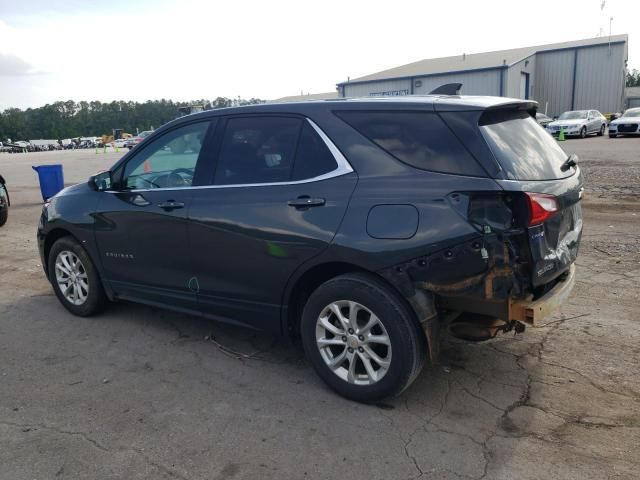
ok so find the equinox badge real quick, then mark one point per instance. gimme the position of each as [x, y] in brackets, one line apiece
[123, 256]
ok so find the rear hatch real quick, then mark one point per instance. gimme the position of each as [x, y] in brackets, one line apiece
[544, 187]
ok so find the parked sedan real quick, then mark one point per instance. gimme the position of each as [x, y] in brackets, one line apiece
[362, 227]
[579, 123]
[133, 141]
[627, 124]
[120, 143]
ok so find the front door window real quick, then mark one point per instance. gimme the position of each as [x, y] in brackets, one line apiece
[167, 162]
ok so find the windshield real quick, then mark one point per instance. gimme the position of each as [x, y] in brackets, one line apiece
[576, 115]
[631, 113]
[522, 147]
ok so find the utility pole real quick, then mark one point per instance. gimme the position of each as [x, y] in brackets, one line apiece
[600, 33]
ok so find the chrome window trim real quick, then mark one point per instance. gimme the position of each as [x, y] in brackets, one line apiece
[343, 168]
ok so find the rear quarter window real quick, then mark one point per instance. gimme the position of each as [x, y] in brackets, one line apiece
[313, 158]
[419, 139]
[523, 148]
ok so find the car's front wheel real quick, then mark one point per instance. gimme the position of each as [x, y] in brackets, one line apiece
[4, 213]
[583, 132]
[362, 338]
[74, 278]
[4, 205]
[602, 129]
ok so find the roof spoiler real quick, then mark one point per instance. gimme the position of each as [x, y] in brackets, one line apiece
[528, 106]
[447, 89]
[497, 113]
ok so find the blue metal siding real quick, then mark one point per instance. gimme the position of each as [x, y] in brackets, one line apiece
[512, 77]
[600, 78]
[553, 81]
[383, 87]
[485, 82]
[573, 82]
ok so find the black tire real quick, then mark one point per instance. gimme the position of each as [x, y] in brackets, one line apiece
[602, 129]
[613, 135]
[583, 132]
[4, 203]
[408, 342]
[96, 298]
[4, 214]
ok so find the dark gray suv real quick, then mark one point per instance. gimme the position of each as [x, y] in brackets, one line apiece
[361, 225]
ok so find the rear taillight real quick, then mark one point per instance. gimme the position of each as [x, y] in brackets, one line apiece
[541, 207]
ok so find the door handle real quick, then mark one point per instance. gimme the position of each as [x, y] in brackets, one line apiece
[170, 205]
[304, 202]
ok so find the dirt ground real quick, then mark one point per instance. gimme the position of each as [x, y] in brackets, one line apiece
[140, 393]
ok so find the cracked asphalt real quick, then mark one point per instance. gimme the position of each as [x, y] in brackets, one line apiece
[141, 393]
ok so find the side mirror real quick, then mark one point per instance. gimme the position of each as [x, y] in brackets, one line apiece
[100, 181]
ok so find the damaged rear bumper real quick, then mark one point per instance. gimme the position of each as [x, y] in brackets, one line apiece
[533, 312]
[528, 311]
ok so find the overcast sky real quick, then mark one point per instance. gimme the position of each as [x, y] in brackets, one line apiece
[137, 50]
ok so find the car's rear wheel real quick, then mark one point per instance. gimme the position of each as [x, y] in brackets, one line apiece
[362, 338]
[601, 132]
[583, 132]
[74, 278]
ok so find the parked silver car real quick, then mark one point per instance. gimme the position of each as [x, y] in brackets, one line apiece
[579, 123]
[627, 124]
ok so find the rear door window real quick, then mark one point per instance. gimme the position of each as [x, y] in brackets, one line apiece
[522, 147]
[420, 139]
[257, 150]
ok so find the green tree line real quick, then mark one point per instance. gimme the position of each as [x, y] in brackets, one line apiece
[71, 119]
[633, 78]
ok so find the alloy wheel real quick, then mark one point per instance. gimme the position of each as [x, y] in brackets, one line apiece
[353, 342]
[71, 277]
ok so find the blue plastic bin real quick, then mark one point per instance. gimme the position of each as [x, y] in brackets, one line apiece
[51, 179]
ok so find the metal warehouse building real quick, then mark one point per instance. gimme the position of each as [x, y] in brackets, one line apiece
[563, 76]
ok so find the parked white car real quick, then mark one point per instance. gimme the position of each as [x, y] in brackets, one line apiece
[579, 123]
[627, 124]
[119, 143]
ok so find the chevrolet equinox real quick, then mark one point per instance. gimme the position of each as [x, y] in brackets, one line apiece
[363, 226]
